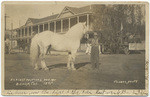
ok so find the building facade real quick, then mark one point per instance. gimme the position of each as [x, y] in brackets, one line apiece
[58, 23]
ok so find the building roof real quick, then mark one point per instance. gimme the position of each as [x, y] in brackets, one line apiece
[34, 21]
[81, 9]
[74, 10]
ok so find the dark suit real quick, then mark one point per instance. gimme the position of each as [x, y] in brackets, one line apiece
[95, 53]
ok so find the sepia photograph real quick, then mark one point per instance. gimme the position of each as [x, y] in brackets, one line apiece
[75, 48]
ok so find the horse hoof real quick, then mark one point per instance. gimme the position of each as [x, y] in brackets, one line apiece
[73, 68]
[68, 68]
[36, 68]
[46, 68]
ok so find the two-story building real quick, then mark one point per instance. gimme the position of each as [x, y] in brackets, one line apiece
[58, 23]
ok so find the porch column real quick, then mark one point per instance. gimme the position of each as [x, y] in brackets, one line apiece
[77, 19]
[88, 21]
[38, 28]
[54, 26]
[49, 26]
[20, 32]
[43, 27]
[27, 31]
[24, 31]
[31, 28]
[31, 31]
[17, 33]
[61, 25]
[69, 23]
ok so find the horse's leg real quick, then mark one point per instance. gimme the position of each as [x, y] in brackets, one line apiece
[36, 66]
[43, 64]
[73, 55]
[42, 55]
[48, 50]
[69, 59]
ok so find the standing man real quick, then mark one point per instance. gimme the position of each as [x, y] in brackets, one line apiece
[95, 52]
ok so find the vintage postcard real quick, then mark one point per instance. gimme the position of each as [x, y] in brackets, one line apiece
[75, 48]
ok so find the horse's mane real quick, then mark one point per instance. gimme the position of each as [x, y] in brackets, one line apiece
[76, 30]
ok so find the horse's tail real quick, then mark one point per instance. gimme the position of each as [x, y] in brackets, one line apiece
[34, 51]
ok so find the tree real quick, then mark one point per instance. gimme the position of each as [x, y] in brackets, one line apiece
[107, 20]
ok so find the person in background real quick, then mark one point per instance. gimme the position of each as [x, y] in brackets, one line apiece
[95, 52]
[100, 49]
[88, 49]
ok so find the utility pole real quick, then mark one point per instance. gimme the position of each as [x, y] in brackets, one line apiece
[11, 33]
[6, 21]
[5, 25]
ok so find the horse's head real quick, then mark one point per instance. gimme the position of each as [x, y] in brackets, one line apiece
[85, 28]
[78, 30]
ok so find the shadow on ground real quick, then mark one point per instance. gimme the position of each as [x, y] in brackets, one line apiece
[77, 66]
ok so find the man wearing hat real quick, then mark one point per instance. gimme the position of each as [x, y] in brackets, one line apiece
[95, 52]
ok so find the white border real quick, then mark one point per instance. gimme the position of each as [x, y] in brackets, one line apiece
[70, 0]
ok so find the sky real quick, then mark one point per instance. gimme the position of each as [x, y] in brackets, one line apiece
[19, 13]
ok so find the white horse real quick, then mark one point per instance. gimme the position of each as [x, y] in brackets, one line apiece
[69, 42]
